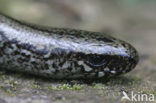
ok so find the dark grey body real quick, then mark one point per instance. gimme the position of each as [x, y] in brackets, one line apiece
[61, 53]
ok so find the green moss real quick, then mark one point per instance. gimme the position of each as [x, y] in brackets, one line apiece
[63, 99]
[12, 82]
[67, 87]
[53, 87]
[3, 77]
[99, 86]
[35, 86]
[9, 91]
[77, 87]
[58, 100]
[64, 87]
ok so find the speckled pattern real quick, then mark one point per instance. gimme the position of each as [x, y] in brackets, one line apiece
[61, 53]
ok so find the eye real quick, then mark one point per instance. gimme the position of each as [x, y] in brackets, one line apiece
[96, 61]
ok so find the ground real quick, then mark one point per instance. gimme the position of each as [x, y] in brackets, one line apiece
[134, 23]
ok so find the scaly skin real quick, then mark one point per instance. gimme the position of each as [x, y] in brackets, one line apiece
[61, 53]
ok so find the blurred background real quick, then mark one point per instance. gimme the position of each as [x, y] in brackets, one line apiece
[131, 20]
